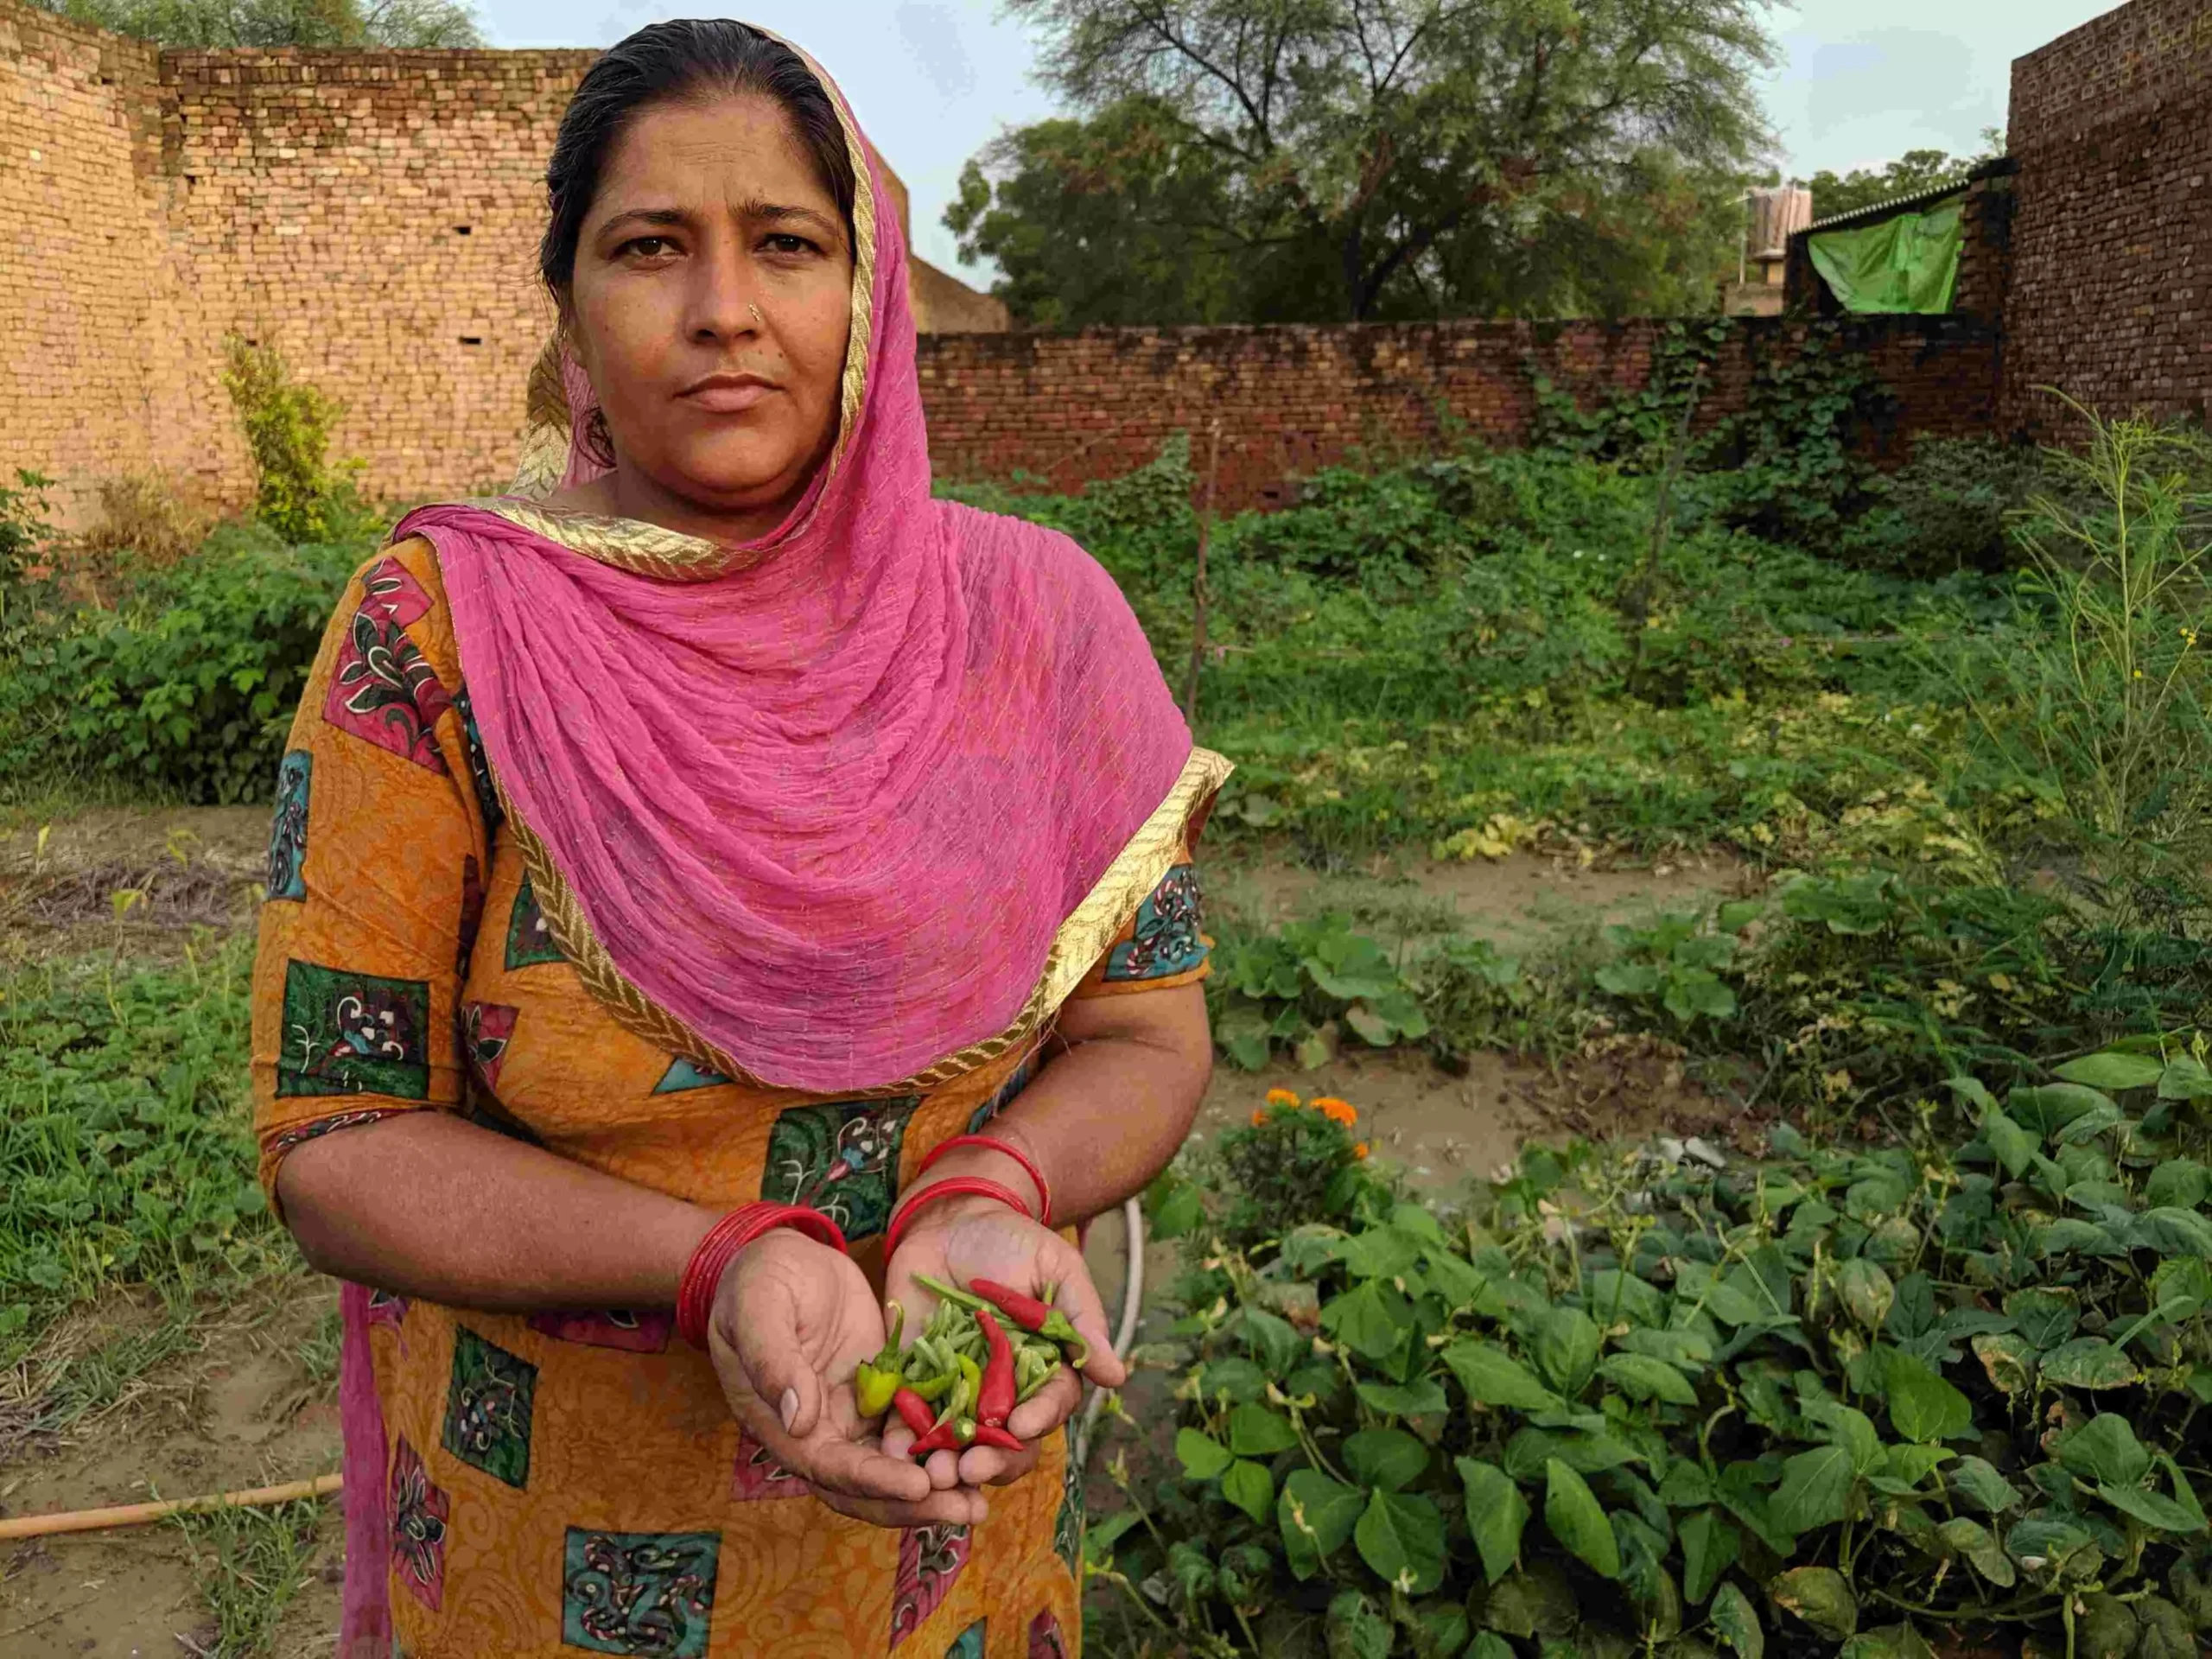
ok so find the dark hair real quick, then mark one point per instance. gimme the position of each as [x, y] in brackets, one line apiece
[661, 63]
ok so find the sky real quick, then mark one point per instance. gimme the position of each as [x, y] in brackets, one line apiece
[1860, 81]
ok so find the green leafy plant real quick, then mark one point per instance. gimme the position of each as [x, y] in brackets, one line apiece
[300, 492]
[187, 687]
[1677, 960]
[1855, 1397]
[1302, 988]
[125, 1156]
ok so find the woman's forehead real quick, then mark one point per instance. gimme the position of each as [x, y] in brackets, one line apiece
[708, 149]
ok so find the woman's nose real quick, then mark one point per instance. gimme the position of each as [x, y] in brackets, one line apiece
[724, 304]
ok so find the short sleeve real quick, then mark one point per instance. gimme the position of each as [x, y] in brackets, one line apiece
[377, 854]
[1162, 946]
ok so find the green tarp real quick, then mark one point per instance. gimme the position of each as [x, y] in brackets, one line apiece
[1908, 262]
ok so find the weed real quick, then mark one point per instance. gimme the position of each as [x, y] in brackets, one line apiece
[301, 494]
[2098, 696]
[248, 1564]
[125, 1153]
[145, 515]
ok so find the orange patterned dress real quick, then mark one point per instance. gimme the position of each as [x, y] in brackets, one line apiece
[573, 1482]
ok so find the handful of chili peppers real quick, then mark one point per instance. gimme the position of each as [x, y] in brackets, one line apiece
[985, 1350]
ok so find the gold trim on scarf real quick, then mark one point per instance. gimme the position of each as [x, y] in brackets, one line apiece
[1081, 939]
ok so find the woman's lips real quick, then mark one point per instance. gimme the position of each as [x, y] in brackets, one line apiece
[727, 397]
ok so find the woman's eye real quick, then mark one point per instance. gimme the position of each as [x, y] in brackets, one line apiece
[785, 242]
[649, 247]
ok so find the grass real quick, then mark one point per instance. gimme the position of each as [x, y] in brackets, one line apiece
[248, 1564]
[126, 1154]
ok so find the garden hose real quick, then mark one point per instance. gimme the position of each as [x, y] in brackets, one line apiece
[137, 1515]
[1132, 1301]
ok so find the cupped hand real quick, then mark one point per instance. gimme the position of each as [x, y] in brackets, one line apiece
[792, 1320]
[964, 1239]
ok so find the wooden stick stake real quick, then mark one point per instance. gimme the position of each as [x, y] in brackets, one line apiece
[137, 1515]
[1198, 586]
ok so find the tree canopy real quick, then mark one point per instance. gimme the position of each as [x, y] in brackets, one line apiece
[330, 23]
[1914, 171]
[1323, 160]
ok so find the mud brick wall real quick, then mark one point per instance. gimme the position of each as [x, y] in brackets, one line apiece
[375, 216]
[2112, 244]
[103, 358]
[1070, 409]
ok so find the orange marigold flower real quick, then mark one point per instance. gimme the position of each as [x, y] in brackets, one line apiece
[1360, 1150]
[1282, 1097]
[1336, 1111]
[1259, 1117]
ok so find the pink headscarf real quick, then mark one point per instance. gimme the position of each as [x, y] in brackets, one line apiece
[829, 806]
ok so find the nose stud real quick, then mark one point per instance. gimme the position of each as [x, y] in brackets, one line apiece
[758, 321]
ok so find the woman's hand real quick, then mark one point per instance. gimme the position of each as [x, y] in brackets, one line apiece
[960, 1239]
[792, 1320]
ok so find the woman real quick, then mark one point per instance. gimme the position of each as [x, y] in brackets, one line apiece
[670, 858]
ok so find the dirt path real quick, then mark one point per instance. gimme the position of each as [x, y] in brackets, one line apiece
[240, 1413]
[1515, 902]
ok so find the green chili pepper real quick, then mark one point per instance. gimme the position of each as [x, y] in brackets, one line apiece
[952, 1293]
[878, 1379]
[934, 1388]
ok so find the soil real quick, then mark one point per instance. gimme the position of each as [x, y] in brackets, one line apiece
[240, 1413]
[1517, 901]
[191, 867]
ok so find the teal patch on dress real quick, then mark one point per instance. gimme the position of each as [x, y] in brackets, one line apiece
[1022, 1077]
[638, 1593]
[969, 1644]
[840, 1157]
[530, 941]
[479, 767]
[287, 829]
[488, 1407]
[1166, 939]
[682, 1074]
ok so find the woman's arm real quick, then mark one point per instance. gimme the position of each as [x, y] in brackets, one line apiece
[1110, 1107]
[1103, 1118]
[429, 1205]
[432, 1206]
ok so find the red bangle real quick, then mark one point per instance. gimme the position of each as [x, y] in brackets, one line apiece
[702, 1275]
[993, 1143]
[951, 1186]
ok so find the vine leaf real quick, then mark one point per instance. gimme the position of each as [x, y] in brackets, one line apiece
[1577, 1521]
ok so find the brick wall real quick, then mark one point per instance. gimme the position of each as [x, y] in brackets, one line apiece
[105, 363]
[2112, 242]
[375, 216]
[1069, 409]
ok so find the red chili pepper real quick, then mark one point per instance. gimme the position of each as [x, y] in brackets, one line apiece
[916, 1410]
[995, 1398]
[992, 1435]
[1024, 1310]
[939, 1438]
[1040, 1318]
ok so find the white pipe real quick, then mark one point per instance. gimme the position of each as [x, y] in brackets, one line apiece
[1132, 1304]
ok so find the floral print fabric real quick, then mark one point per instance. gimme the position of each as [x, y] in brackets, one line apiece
[571, 1481]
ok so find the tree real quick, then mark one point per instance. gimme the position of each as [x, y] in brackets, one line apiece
[1347, 159]
[329, 23]
[1914, 171]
